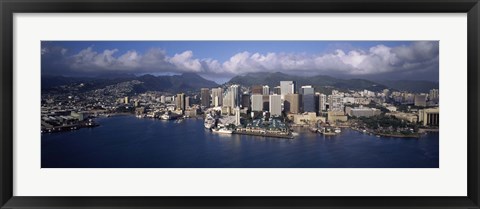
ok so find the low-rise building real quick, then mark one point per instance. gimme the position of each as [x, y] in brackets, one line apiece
[429, 116]
[306, 118]
[336, 116]
[409, 117]
[362, 111]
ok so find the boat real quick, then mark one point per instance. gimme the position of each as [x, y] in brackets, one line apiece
[166, 116]
[209, 122]
[222, 131]
[329, 131]
[338, 130]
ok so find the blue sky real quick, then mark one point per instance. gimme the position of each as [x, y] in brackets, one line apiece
[221, 60]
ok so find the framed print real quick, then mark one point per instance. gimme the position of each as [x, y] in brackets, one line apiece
[265, 104]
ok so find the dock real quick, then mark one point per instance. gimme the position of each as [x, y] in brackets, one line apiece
[284, 136]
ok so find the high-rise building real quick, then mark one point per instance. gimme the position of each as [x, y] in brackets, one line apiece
[162, 99]
[335, 103]
[433, 95]
[266, 102]
[227, 99]
[205, 97]
[421, 100]
[322, 102]
[305, 90]
[235, 95]
[245, 101]
[316, 99]
[217, 97]
[237, 116]
[126, 100]
[187, 102]
[287, 87]
[180, 101]
[308, 102]
[275, 105]
[277, 90]
[257, 102]
[266, 90]
[292, 103]
[257, 89]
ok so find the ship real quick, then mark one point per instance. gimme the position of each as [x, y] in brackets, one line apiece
[209, 122]
[222, 131]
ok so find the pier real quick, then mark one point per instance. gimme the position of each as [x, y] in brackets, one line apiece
[265, 134]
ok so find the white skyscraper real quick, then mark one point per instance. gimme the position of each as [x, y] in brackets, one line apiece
[227, 99]
[266, 90]
[237, 116]
[275, 105]
[257, 102]
[287, 87]
[217, 97]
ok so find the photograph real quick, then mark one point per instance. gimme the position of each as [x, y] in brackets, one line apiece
[240, 104]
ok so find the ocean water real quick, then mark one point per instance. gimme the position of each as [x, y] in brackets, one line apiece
[130, 142]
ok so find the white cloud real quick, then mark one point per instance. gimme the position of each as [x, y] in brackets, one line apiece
[185, 62]
[377, 59]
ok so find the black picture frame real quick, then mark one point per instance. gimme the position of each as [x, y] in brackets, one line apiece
[9, 7]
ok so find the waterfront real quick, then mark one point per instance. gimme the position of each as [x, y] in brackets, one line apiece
[129, 142]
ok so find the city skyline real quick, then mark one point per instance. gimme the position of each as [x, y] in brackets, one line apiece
[221, 60]
[272, 113]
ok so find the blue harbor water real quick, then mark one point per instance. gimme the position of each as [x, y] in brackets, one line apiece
[130, 142]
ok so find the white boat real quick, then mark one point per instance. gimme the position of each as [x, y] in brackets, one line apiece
[338, 130]
[209, 122]
[166, 116]
[222, 131]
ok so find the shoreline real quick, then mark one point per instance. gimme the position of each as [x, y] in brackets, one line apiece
[387, 135]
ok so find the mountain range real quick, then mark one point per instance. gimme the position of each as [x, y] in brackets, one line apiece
[193, 82]
[174, 83]
[319, 82]
[322, 82]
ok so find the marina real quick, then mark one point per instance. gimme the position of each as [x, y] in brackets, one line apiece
[130, 142]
